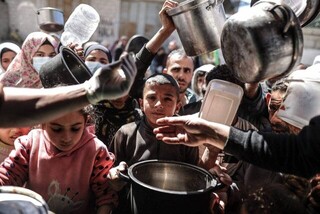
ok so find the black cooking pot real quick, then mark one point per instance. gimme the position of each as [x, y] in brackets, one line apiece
[65, 68]
[170, 187]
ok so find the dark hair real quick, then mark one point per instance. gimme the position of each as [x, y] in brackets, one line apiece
[161, 79]
[46, 42]
[223, 72]
[180, 52]
[4, 50]
[280, 85]
[275, 198]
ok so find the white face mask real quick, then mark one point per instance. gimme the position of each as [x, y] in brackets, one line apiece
[37, 62]
[93, 66]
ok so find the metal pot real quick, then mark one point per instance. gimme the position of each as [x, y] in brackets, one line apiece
[15, 199]
[262, 42]
[65, 68]
[50, 19]
[170, 187]
[305, 10]
[199, 24]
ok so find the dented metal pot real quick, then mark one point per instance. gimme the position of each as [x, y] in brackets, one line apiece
[262, 42]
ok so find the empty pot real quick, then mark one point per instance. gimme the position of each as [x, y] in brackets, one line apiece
[199, 24]
[50, 19]
[170, 187]
[65, 68]
[262, 42]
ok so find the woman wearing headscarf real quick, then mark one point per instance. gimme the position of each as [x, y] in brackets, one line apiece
[36, 50]
[110, 114]
[8, 51]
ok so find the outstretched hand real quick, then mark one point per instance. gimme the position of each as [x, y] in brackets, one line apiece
[191, 131]
[112, 81]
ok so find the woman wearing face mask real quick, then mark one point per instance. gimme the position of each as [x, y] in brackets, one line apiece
[110, 114]
[96, 56]
[8, 51]
[36, 50]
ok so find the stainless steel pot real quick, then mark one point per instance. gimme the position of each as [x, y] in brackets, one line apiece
[262, 42]
[15, 199]
[305, 10]
[170, 187]
[199, 24]
[50, 19]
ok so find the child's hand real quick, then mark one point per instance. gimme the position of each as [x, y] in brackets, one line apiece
[115, 181]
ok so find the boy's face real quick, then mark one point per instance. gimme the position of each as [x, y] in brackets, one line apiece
[9, 135]
[159, 101]
[65, 132]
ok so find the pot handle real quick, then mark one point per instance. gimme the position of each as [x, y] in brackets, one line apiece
[213, 3]
[124, 177]
[288, 14]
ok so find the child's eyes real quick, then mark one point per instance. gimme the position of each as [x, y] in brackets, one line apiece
[57, 130]
[168, 99]
[151, 98]
[75, 129]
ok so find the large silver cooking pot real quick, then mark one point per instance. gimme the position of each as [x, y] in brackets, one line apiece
[170, 187]
[199, 24]
[50, 19]
[262, 42]
[305, 10]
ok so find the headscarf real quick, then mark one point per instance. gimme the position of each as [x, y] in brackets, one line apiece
[194, 83]
[21, 72]
[8, 45]
[88, 49]
[302, 99]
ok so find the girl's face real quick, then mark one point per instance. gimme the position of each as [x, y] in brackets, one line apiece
[65, 132]
[9, 135]
[7, 58]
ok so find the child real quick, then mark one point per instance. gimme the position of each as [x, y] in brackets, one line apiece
[7, 137]
[136, 142]
[65, 164]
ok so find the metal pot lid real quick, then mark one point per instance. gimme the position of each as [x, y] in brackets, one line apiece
[305, 10]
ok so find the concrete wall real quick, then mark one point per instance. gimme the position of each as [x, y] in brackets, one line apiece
[311, 39]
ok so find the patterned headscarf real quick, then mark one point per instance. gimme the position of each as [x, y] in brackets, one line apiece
[21, 72]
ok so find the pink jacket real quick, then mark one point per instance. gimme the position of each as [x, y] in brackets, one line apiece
[68, 181]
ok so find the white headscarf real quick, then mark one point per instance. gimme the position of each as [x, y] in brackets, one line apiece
[302, 100]
[11, 46]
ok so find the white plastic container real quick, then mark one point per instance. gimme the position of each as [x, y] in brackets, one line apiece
[221, 101]
[81, 25]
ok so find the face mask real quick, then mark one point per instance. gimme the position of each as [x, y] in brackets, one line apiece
[93, 66]
[37, 62]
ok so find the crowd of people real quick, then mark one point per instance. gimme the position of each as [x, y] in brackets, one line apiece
[142, 102]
